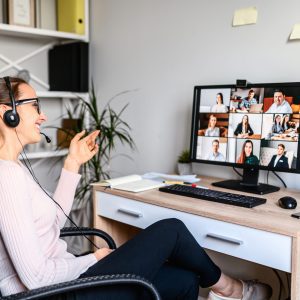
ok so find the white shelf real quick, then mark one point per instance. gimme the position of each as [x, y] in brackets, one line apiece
[31, 32]
[58, 94]
[46, 154]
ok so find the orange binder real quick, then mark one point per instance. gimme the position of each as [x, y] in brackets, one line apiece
[71, 16]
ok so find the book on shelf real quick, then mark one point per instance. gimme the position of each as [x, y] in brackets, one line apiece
[45, 11]
[1, 11]
[4, 11]
[71, 16]
[20, 13]
[131, 183]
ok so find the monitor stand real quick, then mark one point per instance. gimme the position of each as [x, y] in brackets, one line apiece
[248, 184]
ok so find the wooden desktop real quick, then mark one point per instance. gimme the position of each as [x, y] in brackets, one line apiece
[261, 234]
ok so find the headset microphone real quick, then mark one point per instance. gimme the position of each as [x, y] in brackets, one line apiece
[48, 140]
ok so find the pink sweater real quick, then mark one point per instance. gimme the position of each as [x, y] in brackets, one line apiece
[31, 253]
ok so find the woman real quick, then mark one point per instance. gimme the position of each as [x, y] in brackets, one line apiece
[212, 130]
[243, 129]
[277, 128]
[32, 254]
[219, 107]
[286, 125]
[247, 156]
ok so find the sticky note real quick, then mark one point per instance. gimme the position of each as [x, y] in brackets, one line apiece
[295, 32]
[245, 16]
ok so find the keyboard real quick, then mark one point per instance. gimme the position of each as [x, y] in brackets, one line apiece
[212, 195]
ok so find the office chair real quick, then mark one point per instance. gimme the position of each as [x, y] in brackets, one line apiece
[89, 282]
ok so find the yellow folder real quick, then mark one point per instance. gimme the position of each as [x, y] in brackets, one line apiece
[70, 16]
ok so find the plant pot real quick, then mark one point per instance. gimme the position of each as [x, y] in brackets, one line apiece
[184, 168]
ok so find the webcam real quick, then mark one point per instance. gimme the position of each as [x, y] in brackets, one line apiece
[242, 83]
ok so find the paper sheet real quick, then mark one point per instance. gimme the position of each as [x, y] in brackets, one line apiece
[296, 32]
[245, 16]
[162, 177]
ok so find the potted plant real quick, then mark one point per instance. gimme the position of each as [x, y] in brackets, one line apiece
[184, 163]
[113, 129]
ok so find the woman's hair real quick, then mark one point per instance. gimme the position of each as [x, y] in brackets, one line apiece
[275, 119]
[221, 96]
[242, 157]
[284, 121]
[210, 117]
[4, 93]
[247, 122]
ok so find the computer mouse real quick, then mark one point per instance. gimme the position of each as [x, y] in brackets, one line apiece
[287, 202]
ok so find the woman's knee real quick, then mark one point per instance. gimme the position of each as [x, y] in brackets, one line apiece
[171, 222]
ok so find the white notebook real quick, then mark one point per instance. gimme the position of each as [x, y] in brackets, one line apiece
[131, 183]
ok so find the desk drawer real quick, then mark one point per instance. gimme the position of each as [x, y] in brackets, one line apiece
[254, 245]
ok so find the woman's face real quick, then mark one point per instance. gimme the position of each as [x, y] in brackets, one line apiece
[219, 99]
[245, 119]
[28, 129]
[213, 121]
[278, 119]
[248, 149]
[286, 118]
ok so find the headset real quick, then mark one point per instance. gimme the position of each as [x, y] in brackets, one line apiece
[11, 118]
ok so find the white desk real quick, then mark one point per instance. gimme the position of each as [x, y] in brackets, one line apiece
[260, 234]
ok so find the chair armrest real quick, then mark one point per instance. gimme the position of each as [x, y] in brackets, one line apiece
[84, 283]
[73, 231]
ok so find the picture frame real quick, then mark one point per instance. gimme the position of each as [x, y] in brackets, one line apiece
[21, 12]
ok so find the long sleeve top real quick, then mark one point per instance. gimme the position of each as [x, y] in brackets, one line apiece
[239, 129]
[212, 131]
[31, 253]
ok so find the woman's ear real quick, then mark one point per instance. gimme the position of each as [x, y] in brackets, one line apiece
[3, 109]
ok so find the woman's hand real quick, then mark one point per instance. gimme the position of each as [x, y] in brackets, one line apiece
[81, 150]
[101, 253]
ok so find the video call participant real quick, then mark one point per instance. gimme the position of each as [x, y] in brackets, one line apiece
[243, 129]
[212, 130]
[286, 124]
[247, 156]
[215, 154]
[219, 107]
[279, 160]
[280, 105]
[248, 101]
[277, 127]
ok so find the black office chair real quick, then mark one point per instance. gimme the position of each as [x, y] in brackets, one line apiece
[89, 282]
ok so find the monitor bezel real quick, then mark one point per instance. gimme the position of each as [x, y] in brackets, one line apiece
[195, 113]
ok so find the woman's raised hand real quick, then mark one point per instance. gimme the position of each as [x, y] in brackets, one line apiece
[81, 150]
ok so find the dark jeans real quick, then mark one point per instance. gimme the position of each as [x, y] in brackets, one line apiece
[166, 254]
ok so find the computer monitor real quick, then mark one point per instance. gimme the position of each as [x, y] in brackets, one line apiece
[253, 127]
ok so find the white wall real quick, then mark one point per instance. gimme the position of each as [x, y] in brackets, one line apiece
[164, 48]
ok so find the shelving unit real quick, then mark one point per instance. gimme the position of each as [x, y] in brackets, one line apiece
[37, 33]
[53, 103]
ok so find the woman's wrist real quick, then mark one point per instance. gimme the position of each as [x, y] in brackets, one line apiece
[71, 164]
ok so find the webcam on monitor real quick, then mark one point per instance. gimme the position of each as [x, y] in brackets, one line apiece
[241, 83]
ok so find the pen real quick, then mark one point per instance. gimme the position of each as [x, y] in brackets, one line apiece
[182, 182]
[175, 182]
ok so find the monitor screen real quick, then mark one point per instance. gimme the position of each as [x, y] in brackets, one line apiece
[253, 126]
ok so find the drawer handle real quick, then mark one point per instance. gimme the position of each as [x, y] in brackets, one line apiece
[225, 239]
[130, 212]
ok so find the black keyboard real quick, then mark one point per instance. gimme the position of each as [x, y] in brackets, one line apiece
[212, 195]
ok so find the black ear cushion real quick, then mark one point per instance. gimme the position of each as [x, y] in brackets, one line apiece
[11, 119]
